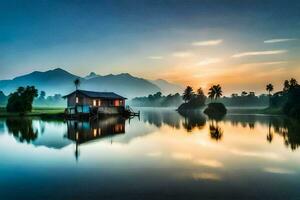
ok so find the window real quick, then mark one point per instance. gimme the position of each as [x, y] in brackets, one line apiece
[117, 103]
[94, 102]
[99, 102]
[77, 100]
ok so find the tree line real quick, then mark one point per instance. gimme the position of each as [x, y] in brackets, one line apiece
[23, 97]
[288, 99]
[158, 100]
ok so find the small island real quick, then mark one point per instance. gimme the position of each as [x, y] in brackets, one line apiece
[215, 109]
[197, 101]
[192, 101]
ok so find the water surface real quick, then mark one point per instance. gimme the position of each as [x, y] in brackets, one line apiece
[162, 155]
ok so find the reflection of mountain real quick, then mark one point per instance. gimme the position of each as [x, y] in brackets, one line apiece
[160, 117]
[51, 134]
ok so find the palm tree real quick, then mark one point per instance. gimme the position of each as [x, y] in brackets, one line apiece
[215, 92]
[77, 83]
[218, 91]
[188, 94]
[269, 88]
[211, 93]
[200, 92]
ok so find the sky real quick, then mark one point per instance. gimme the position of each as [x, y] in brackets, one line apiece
[242, 45]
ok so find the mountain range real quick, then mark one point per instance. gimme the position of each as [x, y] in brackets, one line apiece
[59, 81]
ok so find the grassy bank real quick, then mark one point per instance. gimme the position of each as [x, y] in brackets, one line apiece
[36, 112]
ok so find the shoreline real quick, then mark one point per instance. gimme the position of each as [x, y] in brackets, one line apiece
[43, 112]
[58, 113]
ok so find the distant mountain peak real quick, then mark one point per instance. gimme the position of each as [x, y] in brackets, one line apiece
[60, 81]
[91, 75]
[168, 87]
[125, 75]
[58, 69]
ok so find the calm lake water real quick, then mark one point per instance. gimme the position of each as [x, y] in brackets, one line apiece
[162, 155]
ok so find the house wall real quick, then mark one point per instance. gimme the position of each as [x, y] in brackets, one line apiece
[107, 106]
[82, 100]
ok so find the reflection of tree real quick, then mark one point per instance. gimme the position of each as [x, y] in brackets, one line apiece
[289, 129]
[22, 129]
[215, 131]
[270, 134]
[251, 125]
[159, 118]
[193, 119]
[216, 116]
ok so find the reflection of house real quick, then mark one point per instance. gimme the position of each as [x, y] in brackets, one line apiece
[81, 101]
[82, 132]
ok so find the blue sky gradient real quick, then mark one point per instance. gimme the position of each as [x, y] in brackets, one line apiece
[152, 39]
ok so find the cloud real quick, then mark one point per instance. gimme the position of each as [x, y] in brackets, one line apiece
[278, 170]
[208, 61]
[182, 54]
[264, 63]
[280, 40]
[209, 163]
[265, 155]
[155, 57]
[258, 53]
[207, 43]
[206, 176]
[181, 156]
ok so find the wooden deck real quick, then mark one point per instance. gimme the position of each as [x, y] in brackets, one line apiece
[96, 113]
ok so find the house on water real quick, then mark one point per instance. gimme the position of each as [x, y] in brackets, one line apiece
[92, 103]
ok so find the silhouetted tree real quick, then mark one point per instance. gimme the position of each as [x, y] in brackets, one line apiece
[244, 93]
[286, 86]
[42, 95]
[293, 83]
[200, 92]
[215, 92]
[21, 100]
[188, 93]
[218, 91]
[269, 88]
[3, 98]
[211, 93]
[77, 83]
